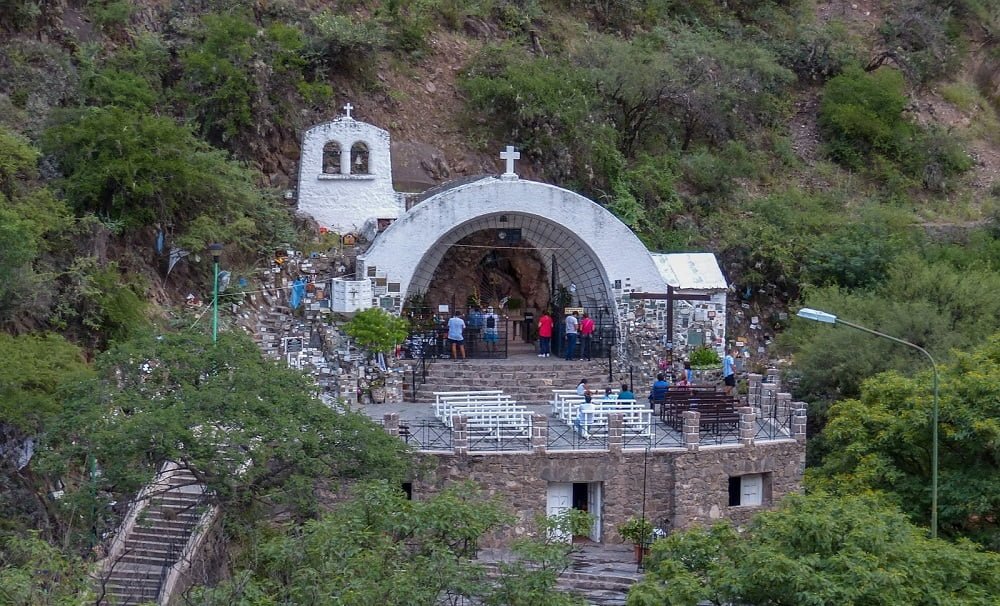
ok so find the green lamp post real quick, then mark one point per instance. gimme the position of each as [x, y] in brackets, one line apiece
[828, 318]
[216, 249]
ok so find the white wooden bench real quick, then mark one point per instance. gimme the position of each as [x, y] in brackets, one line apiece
[446, 410]
[499, 425]
[444, 399]
[560, 397]
[477, 409]
[637, 418]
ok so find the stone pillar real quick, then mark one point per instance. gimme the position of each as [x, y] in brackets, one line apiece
[539, 433]
[753, 389]
[459, 435]
[799, 423]
[774, 376]
[748, 425]
[616, 432]
[391, 423]
[782, 407]
[692, 431]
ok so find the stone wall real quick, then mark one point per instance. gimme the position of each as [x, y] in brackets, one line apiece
[682, 488]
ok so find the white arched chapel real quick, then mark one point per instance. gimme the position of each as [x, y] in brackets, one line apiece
[581, 242]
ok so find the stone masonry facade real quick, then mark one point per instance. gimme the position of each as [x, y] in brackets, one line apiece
[683, 487]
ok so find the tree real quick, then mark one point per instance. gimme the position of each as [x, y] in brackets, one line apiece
[822, 551]
[138, 169]
[377, 330]
[33, 573]
[249, 428]
[381, 548]
[882, 441]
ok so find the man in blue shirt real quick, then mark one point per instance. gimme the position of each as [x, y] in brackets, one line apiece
[729, 373]
[456, 328]
[658, 392]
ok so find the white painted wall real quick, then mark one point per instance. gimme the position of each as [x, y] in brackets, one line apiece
[578, 223]
[344, 202]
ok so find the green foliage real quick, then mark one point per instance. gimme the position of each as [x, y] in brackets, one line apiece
[251, 429]
[34, 369]
[704, 357]
[33, 573]
[919, 37]
[821, 551]
[143, 169]
[862, 115]
[820, 52]
[218, 82]
[862, 119]
[19, 14]
[543, 103]
[30, 219]
[855, 255]
[377, 330]
[773, 234]
[109, 14]
[344, 43]
[108, 305]
[380, 548]
[882, 441]
[637, 531]
[934, 305]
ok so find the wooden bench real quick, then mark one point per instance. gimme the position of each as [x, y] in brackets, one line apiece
[717, 410]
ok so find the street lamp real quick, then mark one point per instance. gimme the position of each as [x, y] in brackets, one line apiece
[828, 318]
[216, 249]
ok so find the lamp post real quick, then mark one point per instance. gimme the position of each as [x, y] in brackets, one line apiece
[216, 249]
[828, 318]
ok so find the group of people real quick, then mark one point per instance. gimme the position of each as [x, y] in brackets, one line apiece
[577, 330]
[488, 324]
[586, 410]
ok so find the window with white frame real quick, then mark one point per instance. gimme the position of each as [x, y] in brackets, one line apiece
[746, 490]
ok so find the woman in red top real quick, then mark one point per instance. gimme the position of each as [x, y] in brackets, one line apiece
[586, 334]
[544, 335]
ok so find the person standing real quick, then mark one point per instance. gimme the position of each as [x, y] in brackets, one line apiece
[456, 336]
[729, 372]
[544, 335]
[491, 332]
[572, 329]
[586, 335]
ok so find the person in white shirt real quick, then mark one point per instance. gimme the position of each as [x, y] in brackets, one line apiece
[584, 416]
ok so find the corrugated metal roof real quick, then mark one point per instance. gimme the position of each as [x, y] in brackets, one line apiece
[695, 271]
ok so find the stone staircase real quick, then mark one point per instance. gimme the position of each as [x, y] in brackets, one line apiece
[523, 375]
[153, 539]
[601, 574]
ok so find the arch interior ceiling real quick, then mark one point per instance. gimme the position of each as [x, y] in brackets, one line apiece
[575, 263]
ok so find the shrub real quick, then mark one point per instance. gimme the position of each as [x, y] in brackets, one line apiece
[343, 43]
[861, 115]
[704, 357]
[818, 53]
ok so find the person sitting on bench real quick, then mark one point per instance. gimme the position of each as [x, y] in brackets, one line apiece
[658, 392]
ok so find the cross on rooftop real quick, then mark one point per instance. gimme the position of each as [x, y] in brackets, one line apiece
[348, 108]
[510, 154]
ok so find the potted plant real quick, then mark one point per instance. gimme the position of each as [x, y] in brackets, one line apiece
[639, 532]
